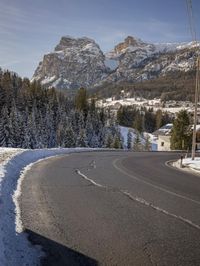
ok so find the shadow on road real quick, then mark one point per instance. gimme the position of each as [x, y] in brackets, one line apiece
[57, 254]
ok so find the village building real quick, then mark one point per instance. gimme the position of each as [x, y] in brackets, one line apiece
[163, 136]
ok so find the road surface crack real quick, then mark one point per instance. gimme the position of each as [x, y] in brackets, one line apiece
[139, 200]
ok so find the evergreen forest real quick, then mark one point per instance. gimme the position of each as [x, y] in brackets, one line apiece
[34, 117]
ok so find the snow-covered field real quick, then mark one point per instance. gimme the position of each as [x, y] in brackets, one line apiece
[15, 249]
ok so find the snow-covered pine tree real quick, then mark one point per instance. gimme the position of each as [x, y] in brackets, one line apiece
[129, 140]
[89, 130]
[94, 143]
[137, 143]
[81, 139]
[51, 127]
[32, 130]
[116, 144]
[147, 144]
[26, 142]
[69, 137]
[108, 139]
[101, 130]
[4, 128]
[81, 121]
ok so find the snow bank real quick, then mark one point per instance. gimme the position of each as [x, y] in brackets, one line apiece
[188, 164]
[15, 249]
[192, 164]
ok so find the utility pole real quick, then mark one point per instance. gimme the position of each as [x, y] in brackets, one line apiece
[194, 38]
[195, 108]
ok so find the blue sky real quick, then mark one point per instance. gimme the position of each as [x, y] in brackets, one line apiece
[31, 28]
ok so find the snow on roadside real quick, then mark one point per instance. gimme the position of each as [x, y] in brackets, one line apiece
[188, 164]
[15, 249]
[192, 164]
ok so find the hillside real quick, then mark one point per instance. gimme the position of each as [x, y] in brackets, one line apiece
[174, 86]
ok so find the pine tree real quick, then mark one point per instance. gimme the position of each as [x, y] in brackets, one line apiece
[89, 130]
[159, 119]
[108, 139]
[137, 143]
[81, 139]
[81, 101]
[149, 121]
[116, 144]
[138, 123]
[94, 143]
[181, 135]
[32, 129]
[16, 126]
[60, 135]
[129, 140]
[69, 138]
[147, 144]
[4, 128]
[26, 142]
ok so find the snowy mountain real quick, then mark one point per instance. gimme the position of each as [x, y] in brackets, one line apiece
[79, 62]
[139, 61]
[74, 63]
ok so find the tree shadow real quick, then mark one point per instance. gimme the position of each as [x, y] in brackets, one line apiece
[57, 254]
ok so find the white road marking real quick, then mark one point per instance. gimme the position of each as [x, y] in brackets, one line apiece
[148, 204]
[142, 201]
[154, 186]
[88, 179]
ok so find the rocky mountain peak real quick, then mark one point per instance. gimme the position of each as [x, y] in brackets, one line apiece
[69, 42]
[128, 42]
[75, 63]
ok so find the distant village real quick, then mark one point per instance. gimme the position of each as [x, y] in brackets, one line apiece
[124, 99]
[160, 139]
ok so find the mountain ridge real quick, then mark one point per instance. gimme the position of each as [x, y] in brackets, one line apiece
[80, 62]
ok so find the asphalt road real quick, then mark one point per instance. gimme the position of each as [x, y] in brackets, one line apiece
[113, 208]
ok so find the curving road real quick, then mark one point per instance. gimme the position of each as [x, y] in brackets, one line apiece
[113, 208]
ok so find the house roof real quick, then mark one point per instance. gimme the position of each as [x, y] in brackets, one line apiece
[163, 131]
[166, 130]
